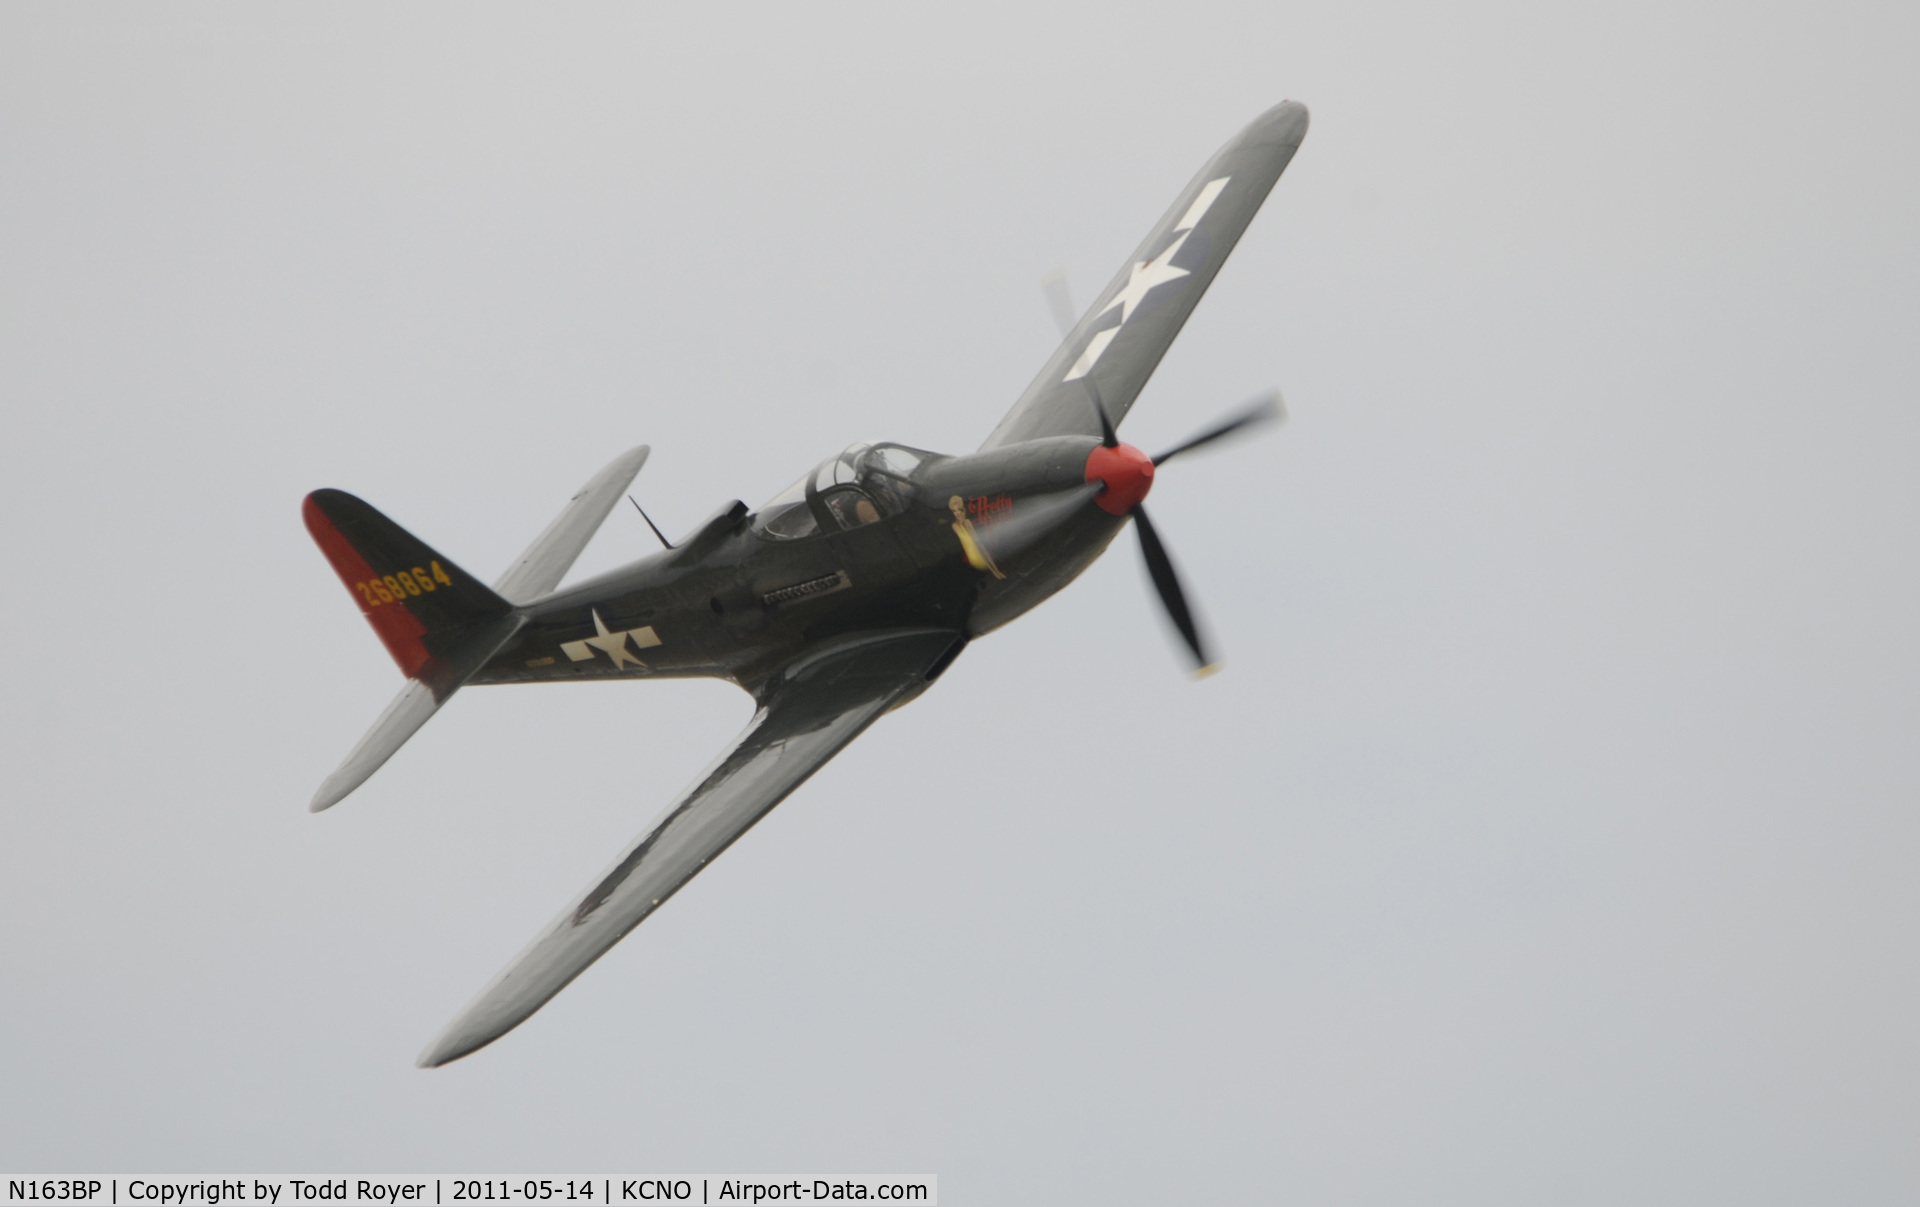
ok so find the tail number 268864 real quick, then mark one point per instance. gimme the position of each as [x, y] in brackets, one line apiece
[391, 588]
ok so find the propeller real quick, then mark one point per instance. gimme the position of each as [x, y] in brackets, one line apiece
[1059, 300]
[1128, 489]
[1032, 518]
[1267, 408]
[1118, 478]
[1172, 596]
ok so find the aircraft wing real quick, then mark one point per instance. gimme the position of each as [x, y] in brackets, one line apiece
[808, 712]
[1120, 340]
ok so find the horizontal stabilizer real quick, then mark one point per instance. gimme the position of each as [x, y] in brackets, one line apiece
[416, 702]
[546, 561]
[403, 718]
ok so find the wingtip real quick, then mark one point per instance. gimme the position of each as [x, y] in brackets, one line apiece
[436, 1053]
[1288, 120]
[446, 1048]
[329, 794]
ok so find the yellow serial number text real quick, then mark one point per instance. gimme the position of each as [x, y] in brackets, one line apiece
[391, 588]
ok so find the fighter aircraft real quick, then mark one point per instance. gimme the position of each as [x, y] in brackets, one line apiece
[844, 596]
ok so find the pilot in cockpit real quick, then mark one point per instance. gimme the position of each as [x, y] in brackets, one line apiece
[863, 485]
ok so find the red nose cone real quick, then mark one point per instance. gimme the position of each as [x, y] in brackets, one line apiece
[1128, 473]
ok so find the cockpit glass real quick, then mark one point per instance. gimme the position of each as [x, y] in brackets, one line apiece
[787, 516]
[884, 471]
[892, 459]
[864, 484]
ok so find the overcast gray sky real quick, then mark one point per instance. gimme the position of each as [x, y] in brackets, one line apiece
[1550, 837]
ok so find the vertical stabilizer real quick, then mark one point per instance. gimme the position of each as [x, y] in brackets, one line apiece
[420, 604]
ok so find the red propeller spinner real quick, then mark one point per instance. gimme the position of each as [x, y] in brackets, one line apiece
[1127, 472]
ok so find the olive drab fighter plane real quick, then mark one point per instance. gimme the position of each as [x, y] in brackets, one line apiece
[843, 597]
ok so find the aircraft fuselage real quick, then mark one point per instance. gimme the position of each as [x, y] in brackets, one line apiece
[735, 600]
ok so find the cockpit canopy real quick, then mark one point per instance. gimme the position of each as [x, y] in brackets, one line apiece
[864, 484]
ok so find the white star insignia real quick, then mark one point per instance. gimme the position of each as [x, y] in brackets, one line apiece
[1144, 275]
[612, 642]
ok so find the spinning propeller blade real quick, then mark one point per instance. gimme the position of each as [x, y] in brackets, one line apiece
[1059, 300]
[1032, 519]
[1268, 408]
[1108, 437]
[1172, 597]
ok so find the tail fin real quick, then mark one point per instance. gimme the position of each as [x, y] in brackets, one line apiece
[422, 605]
[439, 622]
